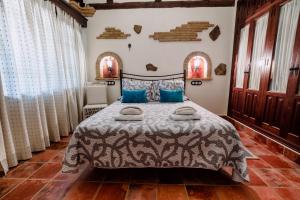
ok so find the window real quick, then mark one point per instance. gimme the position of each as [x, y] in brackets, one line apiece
[198, 66]
[286, 34]
[257, 61]
[242, 56]
[108, 66]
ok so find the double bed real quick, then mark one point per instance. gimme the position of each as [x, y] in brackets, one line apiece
[157, 141]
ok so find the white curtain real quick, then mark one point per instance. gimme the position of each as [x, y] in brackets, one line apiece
[242, 56]
[42, 71]
[288, 20]
[257, 61]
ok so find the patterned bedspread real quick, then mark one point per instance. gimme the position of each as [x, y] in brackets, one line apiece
[157, 141]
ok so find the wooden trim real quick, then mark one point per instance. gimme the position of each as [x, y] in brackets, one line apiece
[164, 4]
[71, 11]
[264, 9]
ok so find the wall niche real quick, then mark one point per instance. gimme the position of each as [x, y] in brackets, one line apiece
[108, 66]
[198, 66]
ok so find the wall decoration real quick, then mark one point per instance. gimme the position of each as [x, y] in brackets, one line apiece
[198, 66]
[137, 28]
[108, 66]
[86, 11]
[215, 33]
[221, 69]
[113, 33]
[185, 32]
[129, 46]
[151, 67]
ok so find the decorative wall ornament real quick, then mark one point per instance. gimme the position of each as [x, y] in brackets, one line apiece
[151, 67]
[113, 33]
[215, 33]
[137, 28]
[108, 66]
[198, 66]
[221, 69]
[86, 11]
[185, 32]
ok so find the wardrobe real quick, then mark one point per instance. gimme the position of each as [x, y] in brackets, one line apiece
[265, 86]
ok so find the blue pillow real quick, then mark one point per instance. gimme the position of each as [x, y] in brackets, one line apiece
[134, 96]
[171, 95]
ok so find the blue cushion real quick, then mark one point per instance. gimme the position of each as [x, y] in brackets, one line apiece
[171, 95]
[134, 96]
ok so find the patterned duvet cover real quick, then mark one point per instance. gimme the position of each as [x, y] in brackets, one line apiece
[157, 141]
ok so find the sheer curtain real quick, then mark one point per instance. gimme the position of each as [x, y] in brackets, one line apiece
[286, 34]
[42, 71]
[257, 61]
[242, 56]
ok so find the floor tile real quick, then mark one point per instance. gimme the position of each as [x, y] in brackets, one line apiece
[7, 185]
[47, 171]
[142, 192]
[24, 170]
[54, 190]
[248, 142]
[112, 191]
[292, 175]
[288, 193]
[260, 150]
[171, 192]
[82, 191]
[43, 156]
[200, 192]
[255, 179]
[26, 190]
[59, 157]
[235, 193]
[66, 176]
[272, 178]
[275, 161]
[266, 193]
[260, 163]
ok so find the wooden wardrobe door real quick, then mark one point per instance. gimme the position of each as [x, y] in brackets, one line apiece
[290, 122]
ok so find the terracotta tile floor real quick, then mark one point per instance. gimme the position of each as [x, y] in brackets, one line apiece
[272, 177]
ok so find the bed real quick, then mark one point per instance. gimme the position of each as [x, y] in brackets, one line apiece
[157, 141]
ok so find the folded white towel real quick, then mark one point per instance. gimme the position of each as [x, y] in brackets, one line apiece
[195, 116]
[131, 110]
[130, 117]
[185, 110]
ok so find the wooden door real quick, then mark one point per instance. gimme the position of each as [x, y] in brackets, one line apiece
[290, 122]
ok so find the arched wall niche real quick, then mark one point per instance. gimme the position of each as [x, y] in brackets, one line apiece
[198, 66]
[108, 66]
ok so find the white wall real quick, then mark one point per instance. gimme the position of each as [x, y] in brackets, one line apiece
[169, 57]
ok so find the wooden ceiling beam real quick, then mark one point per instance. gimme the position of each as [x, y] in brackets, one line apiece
[164, 4]
[71, 11]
